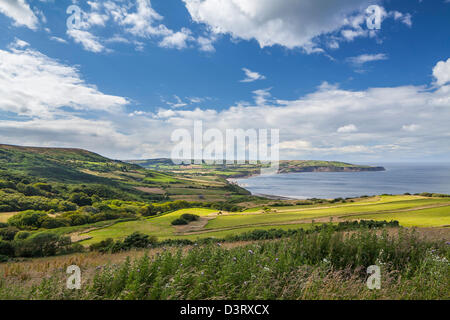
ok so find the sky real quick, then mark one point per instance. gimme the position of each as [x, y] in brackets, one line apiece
[341, 80]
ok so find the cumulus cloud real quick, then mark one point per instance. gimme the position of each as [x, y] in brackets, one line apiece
[251, 76]
[441, 72]
[55, 106]
[33, 84]
[177, 40]
[134, 21]
[289, 23]
[20, 12]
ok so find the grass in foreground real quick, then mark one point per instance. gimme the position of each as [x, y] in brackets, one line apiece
[325, 265]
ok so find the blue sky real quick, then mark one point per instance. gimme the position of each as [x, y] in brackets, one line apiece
[132, 71]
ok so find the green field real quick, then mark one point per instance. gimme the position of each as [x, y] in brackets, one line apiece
[420, 218]
[408, 210]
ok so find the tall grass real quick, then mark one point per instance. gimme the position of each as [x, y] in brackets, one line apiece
[323, 265]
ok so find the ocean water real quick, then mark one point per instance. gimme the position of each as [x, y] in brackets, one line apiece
[397, 179]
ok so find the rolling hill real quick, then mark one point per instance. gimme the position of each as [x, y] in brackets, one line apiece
[247, 169]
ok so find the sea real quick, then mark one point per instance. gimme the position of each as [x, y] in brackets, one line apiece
[399, 178]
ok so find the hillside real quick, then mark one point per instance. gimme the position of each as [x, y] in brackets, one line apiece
[58, 164]
[247, 169]
[75, 167]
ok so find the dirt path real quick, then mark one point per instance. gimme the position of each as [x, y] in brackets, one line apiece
[81, 235]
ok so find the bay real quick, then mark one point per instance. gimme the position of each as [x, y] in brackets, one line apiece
[397, 179]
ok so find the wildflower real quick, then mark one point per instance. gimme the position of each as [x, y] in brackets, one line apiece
[202, 273]
[234, 259]
[266, 269]
[276, 259]
[448, 243]
[250, 251]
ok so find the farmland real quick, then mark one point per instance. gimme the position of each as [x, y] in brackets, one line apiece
[408, 210]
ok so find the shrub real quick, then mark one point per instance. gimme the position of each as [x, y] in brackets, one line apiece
[189, 217]
[52, 223]
[42, 244]
[134, 240]
[21, 235]
[43, 186]
[179, 222]
[66, 206]
[6, 249]
[102, 246]
[27, 219]
[8, 233]
[80, 199]
[138, 240]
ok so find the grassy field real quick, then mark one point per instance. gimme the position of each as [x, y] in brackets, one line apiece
[4, 216]
[408, 210]
[316, 265]
[419, 218]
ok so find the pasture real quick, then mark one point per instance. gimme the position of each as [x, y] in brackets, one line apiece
[408, 210]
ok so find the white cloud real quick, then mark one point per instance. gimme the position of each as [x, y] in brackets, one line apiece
[20, 12]
[178, 104]
[33, 84]
[251, 76]
[293, 23]
[135, 20]
[177, 40]
[289, 23]
[18, 44]
[295, 145]
[411, 127]
[347, 129]
[206, 43]
[405, 18]
[261, 96]
[403, 122]
[86, 39]
[58, 39]
[441, 72]
[365, 58]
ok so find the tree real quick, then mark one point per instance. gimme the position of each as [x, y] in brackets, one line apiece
[27, 219]
[80, 199]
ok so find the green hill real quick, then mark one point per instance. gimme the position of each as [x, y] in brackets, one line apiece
[247, 169]
[58, 164]
[80, 169]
